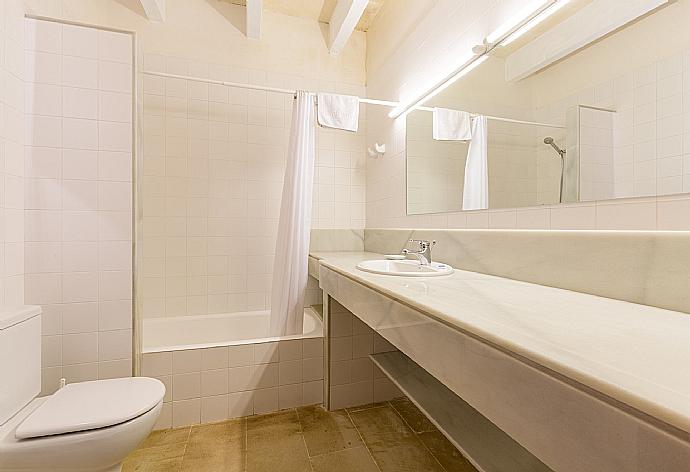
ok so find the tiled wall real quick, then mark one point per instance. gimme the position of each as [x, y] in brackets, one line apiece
[353, 378]
[78, 190]
[599, 178]
[582, 261]
[213, 384]
[435, 169]
[650, 126]
[11, 152]
[523, 171]
[214, 160]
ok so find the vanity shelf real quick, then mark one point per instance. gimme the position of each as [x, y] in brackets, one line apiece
[482, 442]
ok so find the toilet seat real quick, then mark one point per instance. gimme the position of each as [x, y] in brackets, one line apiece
[97, 449]
[92, 405]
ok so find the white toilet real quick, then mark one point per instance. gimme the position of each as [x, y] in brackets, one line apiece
[83, 427]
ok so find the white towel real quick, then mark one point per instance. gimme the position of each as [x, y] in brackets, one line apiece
[338, 111]
[476, 190]
[452, 125]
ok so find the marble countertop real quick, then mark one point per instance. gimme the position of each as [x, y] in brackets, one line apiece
[636, 354]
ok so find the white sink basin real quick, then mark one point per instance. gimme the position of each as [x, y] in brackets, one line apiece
[407, 268]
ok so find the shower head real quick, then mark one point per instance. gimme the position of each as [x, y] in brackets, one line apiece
[549, 140]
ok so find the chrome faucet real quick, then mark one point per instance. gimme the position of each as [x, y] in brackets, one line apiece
[424, 253]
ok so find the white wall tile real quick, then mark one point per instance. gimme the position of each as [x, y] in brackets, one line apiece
[78, 287]
[79, 41]
[43, 162]
[265, 400]
[79, 164]
[80, 103]
[214, 409]
[240, 404]
[79, 256]
[115, 314]
[80, 348]
[79, 318]
[157, 364]
[266, 352]
[214, 382]
[115, 77]
[114, 345]
[115, 166]
[79, 133]
[45, 131]
[79, 72]
[186, 412]
[43, 99]
[116, 47]
[114, 106]
[114, 136]
[45, 36]
[44, 68]
[81, 235]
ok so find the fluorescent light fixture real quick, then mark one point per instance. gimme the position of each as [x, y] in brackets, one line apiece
[468, 66]
[535, 21]
[527, 18]
[520, 17]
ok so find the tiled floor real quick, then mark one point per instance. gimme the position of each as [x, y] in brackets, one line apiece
[386, 437]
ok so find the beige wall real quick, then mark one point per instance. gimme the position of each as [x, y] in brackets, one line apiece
[78, 198]
[11, 153]
[212, 158]
[434, 40]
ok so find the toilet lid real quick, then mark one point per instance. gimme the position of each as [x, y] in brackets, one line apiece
[90, 405]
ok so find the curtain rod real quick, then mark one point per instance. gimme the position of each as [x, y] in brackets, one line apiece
[370, 101]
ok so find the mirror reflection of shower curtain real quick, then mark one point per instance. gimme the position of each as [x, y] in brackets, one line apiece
[476, 189]
[292, 245]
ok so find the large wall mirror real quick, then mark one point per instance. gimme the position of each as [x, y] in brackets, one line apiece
[581, 120]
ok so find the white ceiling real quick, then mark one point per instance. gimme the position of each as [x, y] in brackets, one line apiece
[320, 10]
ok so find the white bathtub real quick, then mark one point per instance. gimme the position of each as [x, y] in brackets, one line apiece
[225, 329]
[216, 367]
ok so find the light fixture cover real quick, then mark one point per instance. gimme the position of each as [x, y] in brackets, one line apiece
[549, 11]
[523, 14]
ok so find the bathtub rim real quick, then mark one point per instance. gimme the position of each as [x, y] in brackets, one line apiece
[318, 333]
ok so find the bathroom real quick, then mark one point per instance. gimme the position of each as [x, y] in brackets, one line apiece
[344, 235]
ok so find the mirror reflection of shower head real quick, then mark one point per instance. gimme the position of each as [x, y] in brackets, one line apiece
[549, 140]
[561, 152]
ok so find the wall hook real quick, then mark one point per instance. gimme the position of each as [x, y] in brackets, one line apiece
[378, 151]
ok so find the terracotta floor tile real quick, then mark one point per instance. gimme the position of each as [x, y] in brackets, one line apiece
[414, 418]
[284, 442]
[281, 421]
[355, 459]
[394, 446]
[278, 452]
[210, 458]
[326, 432]
[166, 465]
[449, 457]
[232, 430]
[217, 446]
[166, 436]
[275, 443]
[157, 453]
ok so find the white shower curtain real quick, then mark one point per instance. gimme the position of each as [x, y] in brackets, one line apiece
[476, 190]
[292, 247]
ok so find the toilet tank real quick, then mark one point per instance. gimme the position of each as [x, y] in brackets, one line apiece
[20, 358]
